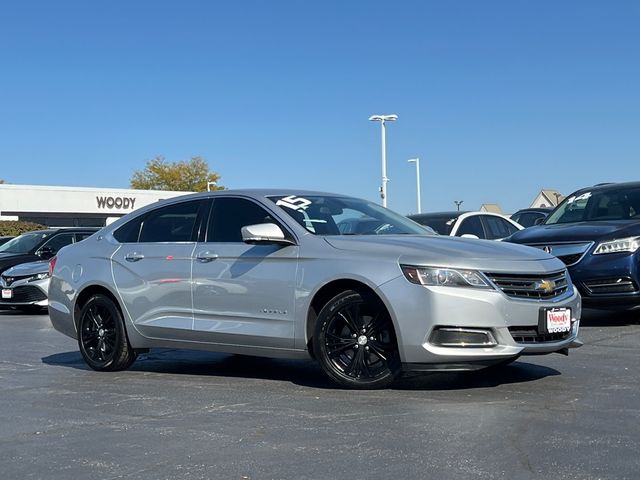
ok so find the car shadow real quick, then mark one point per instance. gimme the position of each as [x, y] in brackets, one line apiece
[605, 318]
[305, 373]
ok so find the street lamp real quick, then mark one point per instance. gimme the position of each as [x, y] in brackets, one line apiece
[209, 185]
[458, 203]
[382, 119]
[417, 162]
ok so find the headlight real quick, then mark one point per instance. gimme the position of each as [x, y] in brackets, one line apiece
[630, 244]
[446, 277]
[39, 276]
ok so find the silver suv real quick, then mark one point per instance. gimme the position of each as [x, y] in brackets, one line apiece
[268, 273]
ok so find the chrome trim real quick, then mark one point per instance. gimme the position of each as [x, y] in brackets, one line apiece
[491, 343]
[565, 249]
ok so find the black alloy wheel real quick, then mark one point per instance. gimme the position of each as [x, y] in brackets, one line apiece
[355, 341]
[101, 336]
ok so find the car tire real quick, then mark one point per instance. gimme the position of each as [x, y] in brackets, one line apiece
[102, 337]
[354, 341]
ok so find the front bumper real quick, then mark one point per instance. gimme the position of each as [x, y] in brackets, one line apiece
[24, 293]
[609, 281]
[424, 309]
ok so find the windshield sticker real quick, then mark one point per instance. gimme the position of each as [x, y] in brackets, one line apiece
[294, 203]
[584, 196]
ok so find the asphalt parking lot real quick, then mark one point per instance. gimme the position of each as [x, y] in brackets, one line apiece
[179, 414]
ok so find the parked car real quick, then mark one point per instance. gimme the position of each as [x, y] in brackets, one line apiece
[528, 217]
[4, 239]
[268, 273]
[484, 225]
[595, 231]
[40, 245]
[25, 286]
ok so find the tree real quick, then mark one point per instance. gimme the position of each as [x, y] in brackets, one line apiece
[187, 176]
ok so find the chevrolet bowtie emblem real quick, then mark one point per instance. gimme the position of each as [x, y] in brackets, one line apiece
[546, 286]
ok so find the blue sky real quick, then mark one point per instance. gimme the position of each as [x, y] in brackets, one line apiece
[498, 98]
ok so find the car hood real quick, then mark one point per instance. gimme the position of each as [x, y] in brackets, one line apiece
[576, 232]
[10, 259]
[455, 252]
[25, 269]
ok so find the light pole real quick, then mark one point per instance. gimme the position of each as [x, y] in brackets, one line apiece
[209, 185]
[382, 119]
[458, 203]
[417, 162]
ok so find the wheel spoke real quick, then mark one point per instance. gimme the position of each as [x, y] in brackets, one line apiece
[354, 313]
[349, 322]
[376, 323]
[355, 365]
[93, 318]
[375, 349]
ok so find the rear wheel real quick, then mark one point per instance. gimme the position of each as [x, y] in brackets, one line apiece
[355, 342]
[101, 336]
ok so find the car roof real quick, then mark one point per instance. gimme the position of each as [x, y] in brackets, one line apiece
[65, 229]
[451, 214]
[535, 209]
[600, 187]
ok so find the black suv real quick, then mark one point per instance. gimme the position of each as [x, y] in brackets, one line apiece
[596, 233]
[40, 245]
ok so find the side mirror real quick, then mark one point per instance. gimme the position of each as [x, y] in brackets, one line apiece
[46, 253]
[469, 235]
[264, 233]
[539, 220]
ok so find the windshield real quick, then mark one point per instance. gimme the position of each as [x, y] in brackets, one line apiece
[443, 224]
[606, 205]
[322, 215]
[25, 243]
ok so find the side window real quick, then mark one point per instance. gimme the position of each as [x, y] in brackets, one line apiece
[59, 241]
[229, 215]
[173, 223]
[130, 231]
[82, 236]
[498, 227]
[471, 226]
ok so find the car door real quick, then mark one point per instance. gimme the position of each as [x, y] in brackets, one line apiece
[243, 294]
[152, 268]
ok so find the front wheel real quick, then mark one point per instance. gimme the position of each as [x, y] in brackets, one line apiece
[101, 336]
[355, 342]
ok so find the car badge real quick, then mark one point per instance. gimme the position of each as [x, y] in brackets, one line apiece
[545, 286]
[547, 249]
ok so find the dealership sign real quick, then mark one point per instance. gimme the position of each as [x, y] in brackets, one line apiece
[120, 203]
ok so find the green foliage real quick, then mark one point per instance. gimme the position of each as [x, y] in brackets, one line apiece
[185, 176]
[14, 228]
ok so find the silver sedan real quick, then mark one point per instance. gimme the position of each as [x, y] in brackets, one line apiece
[274, 273]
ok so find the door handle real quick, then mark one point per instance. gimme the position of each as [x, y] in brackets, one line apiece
[205, 257]
[133, 257]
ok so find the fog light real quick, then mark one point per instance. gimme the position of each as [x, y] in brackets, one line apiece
[462, 337]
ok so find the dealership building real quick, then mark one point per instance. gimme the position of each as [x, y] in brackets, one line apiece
[73, 206]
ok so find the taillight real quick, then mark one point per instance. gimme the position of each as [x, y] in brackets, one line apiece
[52, 264]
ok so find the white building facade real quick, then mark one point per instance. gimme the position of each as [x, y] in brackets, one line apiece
[73, 206]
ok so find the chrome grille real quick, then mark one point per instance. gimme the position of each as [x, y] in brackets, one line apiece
[9, 280]
[25, 294]
[531, 335]
[534, 287]
[569, 253]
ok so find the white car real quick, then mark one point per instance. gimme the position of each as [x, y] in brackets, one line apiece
[483, 225]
